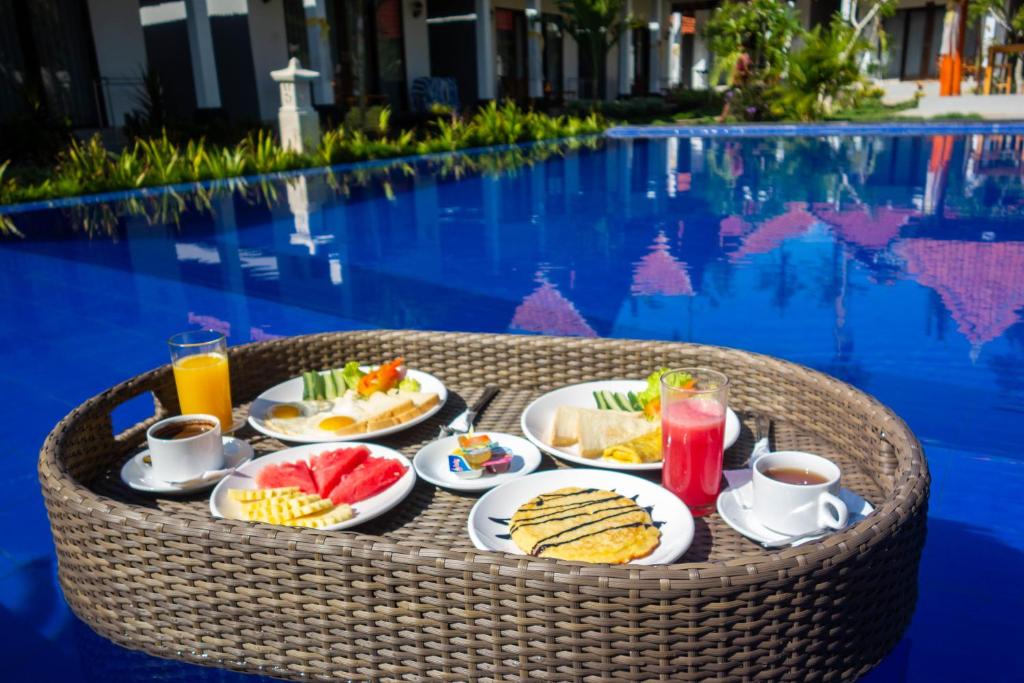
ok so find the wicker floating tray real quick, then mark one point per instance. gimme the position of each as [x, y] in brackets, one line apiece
[406, 596]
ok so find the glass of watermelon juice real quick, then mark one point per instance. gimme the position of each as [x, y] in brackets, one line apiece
[693, 405]
[200, 362]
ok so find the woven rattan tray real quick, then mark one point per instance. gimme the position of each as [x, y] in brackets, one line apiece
[407, 597]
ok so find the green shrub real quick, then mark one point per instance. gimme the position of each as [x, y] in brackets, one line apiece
[823, 75]
[87, 167]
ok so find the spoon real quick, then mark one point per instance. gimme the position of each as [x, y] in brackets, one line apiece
[789, 540]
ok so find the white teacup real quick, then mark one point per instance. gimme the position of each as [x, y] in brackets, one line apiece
[797, 508]
[185, 446]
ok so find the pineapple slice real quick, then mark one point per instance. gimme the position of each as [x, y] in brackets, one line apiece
[323, 519]
[280, 516]
[247, 495]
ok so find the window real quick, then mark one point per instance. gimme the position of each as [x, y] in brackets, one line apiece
[50, 58]
[366, 38]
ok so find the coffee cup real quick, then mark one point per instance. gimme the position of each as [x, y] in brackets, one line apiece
[797, 493]
[185, 446]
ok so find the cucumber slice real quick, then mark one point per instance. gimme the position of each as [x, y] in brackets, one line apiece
[339, 382]
[308, 386]
[609, 400]
[600, 400]
[330, 389]
[621, 402]
[634, 401]
[321, 386]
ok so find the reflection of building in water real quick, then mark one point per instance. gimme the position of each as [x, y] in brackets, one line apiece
[769, 234]
[980, 283]
[862, 226]
[546, 311]
[209, 322]
[660, 273]
[938, 173]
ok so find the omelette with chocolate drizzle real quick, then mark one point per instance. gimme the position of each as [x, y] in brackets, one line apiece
[586, 525]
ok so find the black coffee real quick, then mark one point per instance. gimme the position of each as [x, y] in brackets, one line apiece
[182, 430]
[795, 475]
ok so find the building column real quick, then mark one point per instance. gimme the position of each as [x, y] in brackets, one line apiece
[204, 61]
[700, 77]
[534, 68]
[654, 82]
[319, 50]
[571, 67]
[673, 50]
[416, 37]
[485, 51]
[120, 54]
[626, 52]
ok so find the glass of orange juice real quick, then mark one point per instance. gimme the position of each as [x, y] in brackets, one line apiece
[200, 361]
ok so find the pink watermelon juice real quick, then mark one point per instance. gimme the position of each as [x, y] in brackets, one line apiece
[692, 436]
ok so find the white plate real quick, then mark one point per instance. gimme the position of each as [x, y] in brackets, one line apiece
[138, 474]
[486, 523]
[291, 392]
[734, 507]
[539, 416]
[432, 462]
[222, 506]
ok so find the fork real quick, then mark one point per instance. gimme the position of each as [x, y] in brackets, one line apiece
[470, 415]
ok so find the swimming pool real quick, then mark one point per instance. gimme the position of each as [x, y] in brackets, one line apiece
[894, 262]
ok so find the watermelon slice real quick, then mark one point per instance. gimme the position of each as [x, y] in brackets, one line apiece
[329, 467]
[368, 479]
[287, 474]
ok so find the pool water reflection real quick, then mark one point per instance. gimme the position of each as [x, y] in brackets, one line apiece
[893, 263]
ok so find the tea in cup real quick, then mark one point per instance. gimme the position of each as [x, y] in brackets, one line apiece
[185, 446]
[797, 493]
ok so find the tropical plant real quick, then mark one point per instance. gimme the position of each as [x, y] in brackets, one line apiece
[1012, 24]
[150, 114]
[822, 74]
[595, 25]
[764, 30]
[88, 166]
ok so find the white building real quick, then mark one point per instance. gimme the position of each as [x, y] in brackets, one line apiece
[88, 57]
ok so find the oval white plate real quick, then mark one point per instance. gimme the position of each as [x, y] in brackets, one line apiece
[485, 523]
[538, 418]
[291, 391]
[365, 510]
[138, 474]
[432, 462]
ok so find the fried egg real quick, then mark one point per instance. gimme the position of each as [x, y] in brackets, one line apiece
[314, 417]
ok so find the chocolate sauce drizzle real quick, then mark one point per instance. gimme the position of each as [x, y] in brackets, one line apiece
[548, 496]
[543, 543]
[553, 512]
[538, 549]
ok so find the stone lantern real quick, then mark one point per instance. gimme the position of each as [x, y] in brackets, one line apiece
[298, 122]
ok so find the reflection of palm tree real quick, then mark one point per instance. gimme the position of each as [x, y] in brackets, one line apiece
[784, 283]
[843, 364]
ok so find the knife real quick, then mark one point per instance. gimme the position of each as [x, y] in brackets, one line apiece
[463, 423]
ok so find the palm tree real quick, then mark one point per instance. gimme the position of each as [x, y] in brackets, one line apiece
[596, 26]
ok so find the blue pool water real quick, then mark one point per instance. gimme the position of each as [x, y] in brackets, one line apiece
[895, 263]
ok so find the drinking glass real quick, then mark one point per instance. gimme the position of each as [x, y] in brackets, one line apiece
[200, 361]
[693, 404]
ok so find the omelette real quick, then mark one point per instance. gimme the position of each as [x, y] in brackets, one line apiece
[586, 525]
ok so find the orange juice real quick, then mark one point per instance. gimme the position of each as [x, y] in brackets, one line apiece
[204, 386]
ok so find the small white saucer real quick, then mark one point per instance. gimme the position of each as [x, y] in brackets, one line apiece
[431, 462]
[734, 507]
[138, 474]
